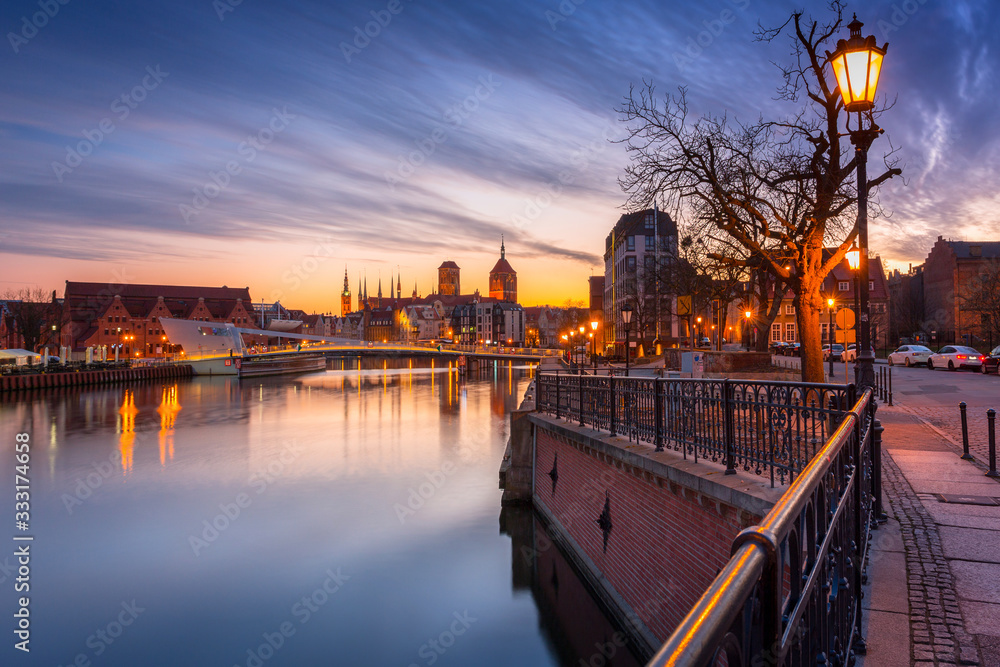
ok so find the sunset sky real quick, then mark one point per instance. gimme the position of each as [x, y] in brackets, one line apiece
[270, 144]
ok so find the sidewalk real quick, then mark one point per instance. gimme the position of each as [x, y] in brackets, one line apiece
[935, 566]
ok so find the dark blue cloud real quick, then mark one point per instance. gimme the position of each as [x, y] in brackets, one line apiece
[391, 132]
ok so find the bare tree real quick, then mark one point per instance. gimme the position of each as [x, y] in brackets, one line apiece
[34, 312]
[782, 189]
[982, 296]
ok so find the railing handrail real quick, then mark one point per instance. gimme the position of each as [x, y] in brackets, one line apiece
[700, 634]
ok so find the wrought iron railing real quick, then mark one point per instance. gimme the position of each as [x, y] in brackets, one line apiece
[767, 428]
[791, 593]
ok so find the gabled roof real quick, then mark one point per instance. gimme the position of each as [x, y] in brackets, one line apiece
[448, 264]
[964, 249]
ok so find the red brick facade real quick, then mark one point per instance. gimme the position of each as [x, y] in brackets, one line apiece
[667, 542]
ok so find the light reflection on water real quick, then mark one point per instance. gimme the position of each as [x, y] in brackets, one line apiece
[219, 505]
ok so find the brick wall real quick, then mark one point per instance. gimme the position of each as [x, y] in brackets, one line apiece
[667, 542]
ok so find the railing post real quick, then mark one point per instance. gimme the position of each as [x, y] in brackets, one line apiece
[991, 416]
[579, 378]
[728, 426]
[658, 413]
[880, 515]
[965, 432]
[612, 404]
[557, 395]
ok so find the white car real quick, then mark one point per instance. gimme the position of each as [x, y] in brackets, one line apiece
[909, 355]
[851, 353]
[954, 357]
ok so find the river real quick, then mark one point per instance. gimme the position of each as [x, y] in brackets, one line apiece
[350, 517]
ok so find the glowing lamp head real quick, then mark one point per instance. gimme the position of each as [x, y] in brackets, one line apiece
[857, 63]
[627, 314]
[829, 302]
[748, 314]
[854, 257]
[593, 324]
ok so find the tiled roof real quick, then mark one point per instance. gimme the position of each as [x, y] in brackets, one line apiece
[502, 266]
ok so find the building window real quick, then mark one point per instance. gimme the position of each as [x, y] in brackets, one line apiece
[789, 309]
[649, 221]
[844, 286]
[630, 244]
[776, 331]
[871, 285]
[790, 332]
[650, 243]
[630, 263]
[824, 332]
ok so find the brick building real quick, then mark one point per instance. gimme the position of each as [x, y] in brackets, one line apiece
[948, 272]
[839, 284]
[97, 315]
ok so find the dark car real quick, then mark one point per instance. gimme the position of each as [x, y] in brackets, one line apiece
[778, 347]
[838, 351]
[793, 350]
[991, 362]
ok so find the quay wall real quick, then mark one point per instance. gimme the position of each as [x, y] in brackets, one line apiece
[672, 522]
[84, 378]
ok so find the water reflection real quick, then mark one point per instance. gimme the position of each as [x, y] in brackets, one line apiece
[135, 492]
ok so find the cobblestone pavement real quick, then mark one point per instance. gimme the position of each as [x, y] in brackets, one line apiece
[949, 421]
[937, 631]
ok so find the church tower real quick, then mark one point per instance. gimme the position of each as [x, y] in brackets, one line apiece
[345, 297]
[503, 278]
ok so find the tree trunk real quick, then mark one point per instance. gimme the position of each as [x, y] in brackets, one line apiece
[808, 307]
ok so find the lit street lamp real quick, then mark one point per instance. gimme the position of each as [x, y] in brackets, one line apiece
[857, 63]
[748, 314]
[854, 261]
[627, 320]
[593, 340]
[583, 343]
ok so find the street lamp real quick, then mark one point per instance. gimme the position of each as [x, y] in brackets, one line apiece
[627, 320]
[583, 343]
[829, 336]
[854, 261]
[857, 63]
[748, 314]
[697, 330]
[593, 343]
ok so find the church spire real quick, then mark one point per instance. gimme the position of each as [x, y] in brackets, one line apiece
[502, 249]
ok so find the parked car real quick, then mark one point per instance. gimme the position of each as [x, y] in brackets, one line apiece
[910, 355]
[793, 349]
[851, 353]
[954, 357]
[705, 342]
[778, 347]
[838, 352]
[991, 363]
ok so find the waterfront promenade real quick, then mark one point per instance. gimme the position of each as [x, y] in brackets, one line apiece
[935, 566]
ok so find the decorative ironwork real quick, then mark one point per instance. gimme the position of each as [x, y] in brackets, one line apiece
[767, 428]
[554, 473]
[604, 521]
[791, 594]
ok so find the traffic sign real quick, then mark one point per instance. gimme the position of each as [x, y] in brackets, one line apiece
[845, 318]
[845, 336]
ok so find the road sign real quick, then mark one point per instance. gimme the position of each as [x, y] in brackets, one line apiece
[845, 318]
[684, 305]
[845, 336]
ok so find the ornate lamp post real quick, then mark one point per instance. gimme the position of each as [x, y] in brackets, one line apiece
[748, 314]
[854, 261]
[583, 343]
[627, 320]
[857, 63]
[593, 341]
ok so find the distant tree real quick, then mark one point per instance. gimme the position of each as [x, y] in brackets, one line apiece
[982, 296]
[781, 189]
[34, 312]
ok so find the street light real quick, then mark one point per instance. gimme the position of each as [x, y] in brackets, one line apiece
[748, 314]
[583, 352]
[854, 261]
[857, 63]
[593, 346]
[627, 320]
[829, 337]
[697, 331]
